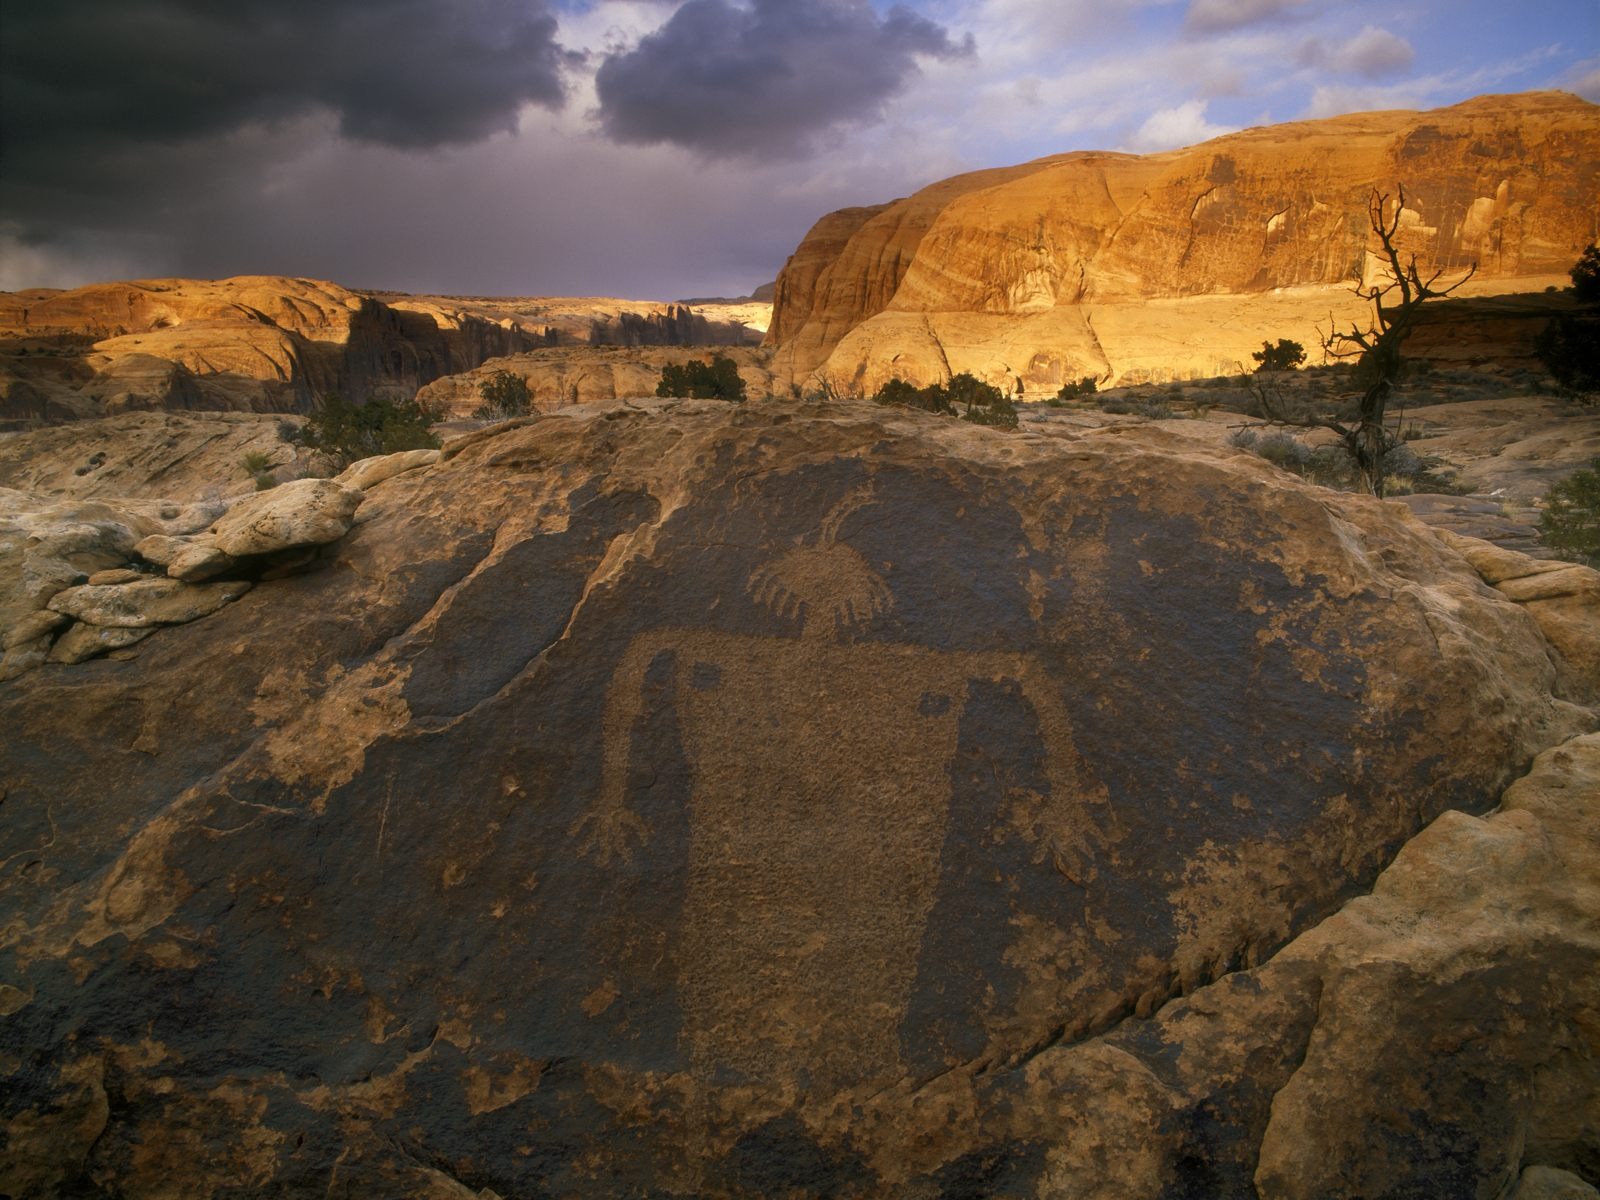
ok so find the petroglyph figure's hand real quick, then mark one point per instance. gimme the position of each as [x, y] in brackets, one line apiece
[610, 829]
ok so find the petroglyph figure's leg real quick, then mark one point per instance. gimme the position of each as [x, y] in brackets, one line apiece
[610, 831]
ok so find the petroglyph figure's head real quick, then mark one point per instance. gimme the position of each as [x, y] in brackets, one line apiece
[822, 582]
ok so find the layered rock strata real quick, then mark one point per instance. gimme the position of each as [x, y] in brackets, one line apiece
[1180, 264]
[689, 799]
[251, 343]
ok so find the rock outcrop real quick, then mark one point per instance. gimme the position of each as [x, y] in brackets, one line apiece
[787, 800]
[1563, 597]
[589, 374]
[574, 320]
[252, 343]
[152, 456]
[79, 579]
[1179, 264]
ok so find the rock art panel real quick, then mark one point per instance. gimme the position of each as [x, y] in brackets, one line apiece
[708, 800]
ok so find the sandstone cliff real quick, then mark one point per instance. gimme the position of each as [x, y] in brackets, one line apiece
[1179, 264]
[253, 343]
[574, 320]
[268, 344]
[799, 800]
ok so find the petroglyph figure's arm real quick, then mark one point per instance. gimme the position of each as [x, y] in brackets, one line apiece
[1078, 820]
[610, 830]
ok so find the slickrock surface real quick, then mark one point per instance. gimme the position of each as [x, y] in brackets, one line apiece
[1180, 264]
[696, 800]
[251, 343]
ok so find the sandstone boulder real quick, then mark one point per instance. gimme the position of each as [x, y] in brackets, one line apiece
[160, 548]
[117, 574]
[370, 472]
[33, 627]
[148, 602]
[197, 561]
[1551, 1183]
[802, 800]
[47, 545]
[83, 642]
[304, 512]
[1563, 597]
[23, 656]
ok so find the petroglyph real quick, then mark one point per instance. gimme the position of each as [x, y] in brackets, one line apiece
[806, 954]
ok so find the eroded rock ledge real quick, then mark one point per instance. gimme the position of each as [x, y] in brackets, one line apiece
[79, 579]
[682, 799]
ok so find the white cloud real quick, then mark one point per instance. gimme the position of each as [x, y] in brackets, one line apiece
[1183, 125]
[1372, 54]
[1209, 16]
[1583, 80]
[1425, 91]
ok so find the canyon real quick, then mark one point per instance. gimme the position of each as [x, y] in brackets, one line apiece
[810, 797]
[272, 344]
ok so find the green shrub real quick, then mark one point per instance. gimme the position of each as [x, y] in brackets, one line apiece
[1286, 355]
[345, 432]
[1570, 522]
[979, 402]
[504, 395]
[696, 380]
[1585, 275]
[1002, 414]
[932, 398]
[256, 462]
[1084, 387]
[965, 396]
[1284, 450]
[1569, 348]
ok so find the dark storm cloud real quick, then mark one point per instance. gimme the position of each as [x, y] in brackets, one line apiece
[764, 81]
[85, 78]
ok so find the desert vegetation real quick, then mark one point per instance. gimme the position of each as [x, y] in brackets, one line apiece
[504, 395]
[1087, 386]
[344, 431]
[964, 396]
[1283, 355]
[1569, 347]
[1570, 522]
[1396, 296]
[718, 379]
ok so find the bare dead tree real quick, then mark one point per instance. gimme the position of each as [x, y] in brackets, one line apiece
[1396, 293]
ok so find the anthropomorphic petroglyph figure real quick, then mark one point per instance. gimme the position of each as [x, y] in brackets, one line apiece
[822, 769]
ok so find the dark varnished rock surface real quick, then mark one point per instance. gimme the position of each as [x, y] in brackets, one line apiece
[702, 801]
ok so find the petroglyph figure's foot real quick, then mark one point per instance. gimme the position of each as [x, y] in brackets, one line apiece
[611, 827]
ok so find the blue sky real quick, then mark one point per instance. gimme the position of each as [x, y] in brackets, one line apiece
[646, 148]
